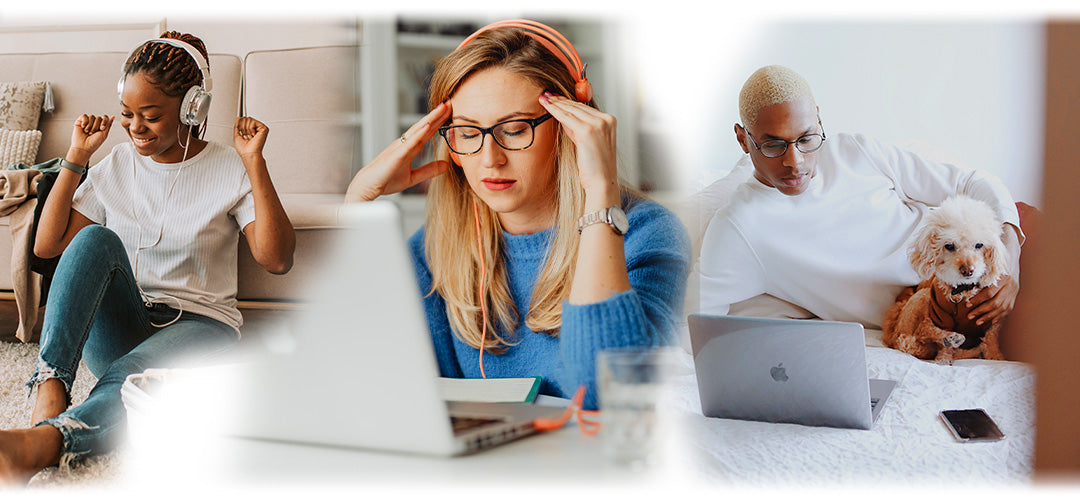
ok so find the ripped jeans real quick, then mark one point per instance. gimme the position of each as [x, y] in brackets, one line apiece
[95, 313]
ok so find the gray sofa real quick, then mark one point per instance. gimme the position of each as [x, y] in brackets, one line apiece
[306, 96]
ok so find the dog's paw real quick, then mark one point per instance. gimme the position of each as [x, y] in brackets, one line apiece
[953, 340]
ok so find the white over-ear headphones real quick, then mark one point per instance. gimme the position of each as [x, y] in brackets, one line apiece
[196, 103]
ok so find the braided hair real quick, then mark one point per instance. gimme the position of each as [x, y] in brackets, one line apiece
[170, 68]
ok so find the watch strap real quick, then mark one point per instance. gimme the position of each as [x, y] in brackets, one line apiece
[612, 216]
[78, 169]
[593, 218]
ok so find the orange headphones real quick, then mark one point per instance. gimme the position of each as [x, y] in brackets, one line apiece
[555, 43]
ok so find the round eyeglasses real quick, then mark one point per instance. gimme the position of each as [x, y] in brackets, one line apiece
[776, 148]
[511, 135]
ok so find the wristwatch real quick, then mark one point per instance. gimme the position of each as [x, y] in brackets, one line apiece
[612, 216]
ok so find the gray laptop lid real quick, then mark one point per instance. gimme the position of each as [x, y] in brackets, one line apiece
[357, 368]
[778, 370]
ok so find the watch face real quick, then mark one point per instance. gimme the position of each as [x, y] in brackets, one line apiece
[618, 220]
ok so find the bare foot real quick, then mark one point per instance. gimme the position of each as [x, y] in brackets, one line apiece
[25, 452]
[52, 400]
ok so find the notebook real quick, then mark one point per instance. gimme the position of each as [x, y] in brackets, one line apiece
[806, 372]
[357, 368]
[491, 390]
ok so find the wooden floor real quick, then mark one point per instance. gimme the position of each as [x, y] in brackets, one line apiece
[255, 318]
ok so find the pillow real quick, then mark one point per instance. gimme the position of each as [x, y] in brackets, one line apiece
[701, 206]
[20, 104]
[18, 146]
[767, 306]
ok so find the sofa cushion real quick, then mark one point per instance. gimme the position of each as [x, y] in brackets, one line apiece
[227, 74]
[306, 97]
[313, 211]
[20, 104]
[315, 218]
[18, 146]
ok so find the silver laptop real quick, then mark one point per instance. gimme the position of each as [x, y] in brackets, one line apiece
[785, 370]
[357, 367]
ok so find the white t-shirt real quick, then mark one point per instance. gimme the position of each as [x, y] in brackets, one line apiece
[839, 249]
[183, 220]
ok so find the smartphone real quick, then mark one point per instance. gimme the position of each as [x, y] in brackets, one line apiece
[971, 425]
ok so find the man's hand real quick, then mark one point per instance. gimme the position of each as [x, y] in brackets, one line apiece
[995, 302]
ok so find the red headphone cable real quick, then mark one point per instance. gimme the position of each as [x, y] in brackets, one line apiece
[589, 426]
[483, 277]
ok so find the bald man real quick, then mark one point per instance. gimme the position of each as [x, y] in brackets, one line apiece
[825, 221]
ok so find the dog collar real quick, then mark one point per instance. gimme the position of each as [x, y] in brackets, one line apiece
[958, 289]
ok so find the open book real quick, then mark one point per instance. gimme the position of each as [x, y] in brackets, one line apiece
[490, 390]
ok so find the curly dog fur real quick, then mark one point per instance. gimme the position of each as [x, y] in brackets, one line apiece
[957, 253]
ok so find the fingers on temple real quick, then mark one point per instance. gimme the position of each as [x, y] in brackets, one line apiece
[423, 130]
[574, 114]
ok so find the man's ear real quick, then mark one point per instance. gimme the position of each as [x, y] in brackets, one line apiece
[740, 135]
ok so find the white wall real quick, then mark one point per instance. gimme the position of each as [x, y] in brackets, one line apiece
[240, 36]
[37, 37]
[222, 34]
[967, 93]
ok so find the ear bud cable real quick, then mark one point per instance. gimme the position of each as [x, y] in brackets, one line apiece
[147, 300]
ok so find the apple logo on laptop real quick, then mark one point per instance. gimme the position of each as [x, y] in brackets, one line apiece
[779, 373]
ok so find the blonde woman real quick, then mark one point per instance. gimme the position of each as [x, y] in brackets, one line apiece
[532, 247]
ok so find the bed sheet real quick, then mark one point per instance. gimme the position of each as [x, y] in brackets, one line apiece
[908, 442]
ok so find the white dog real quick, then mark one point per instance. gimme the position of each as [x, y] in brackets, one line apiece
[957, 253]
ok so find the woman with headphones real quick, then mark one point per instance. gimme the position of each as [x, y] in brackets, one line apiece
[534, 255]
[148, 236]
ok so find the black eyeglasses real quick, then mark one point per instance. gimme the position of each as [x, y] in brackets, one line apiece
[511, 135]
[777, 147]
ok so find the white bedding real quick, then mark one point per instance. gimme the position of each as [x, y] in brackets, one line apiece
[907, 443]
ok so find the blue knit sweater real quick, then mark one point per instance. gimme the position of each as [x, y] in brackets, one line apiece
[657, 260]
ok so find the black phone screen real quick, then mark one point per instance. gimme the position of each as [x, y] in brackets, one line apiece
[972, 425]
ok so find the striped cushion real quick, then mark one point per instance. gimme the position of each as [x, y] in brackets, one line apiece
[18, 146]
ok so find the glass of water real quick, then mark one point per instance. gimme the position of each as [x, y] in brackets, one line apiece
[632, 383]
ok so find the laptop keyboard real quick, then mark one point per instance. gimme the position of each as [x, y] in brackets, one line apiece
[874, 402]
[465, 424]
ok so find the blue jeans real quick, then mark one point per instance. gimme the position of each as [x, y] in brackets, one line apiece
[95, 313]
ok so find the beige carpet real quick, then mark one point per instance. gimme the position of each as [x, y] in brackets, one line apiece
[17, 362]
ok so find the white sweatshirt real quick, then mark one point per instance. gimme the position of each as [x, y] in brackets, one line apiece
[840, 248]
